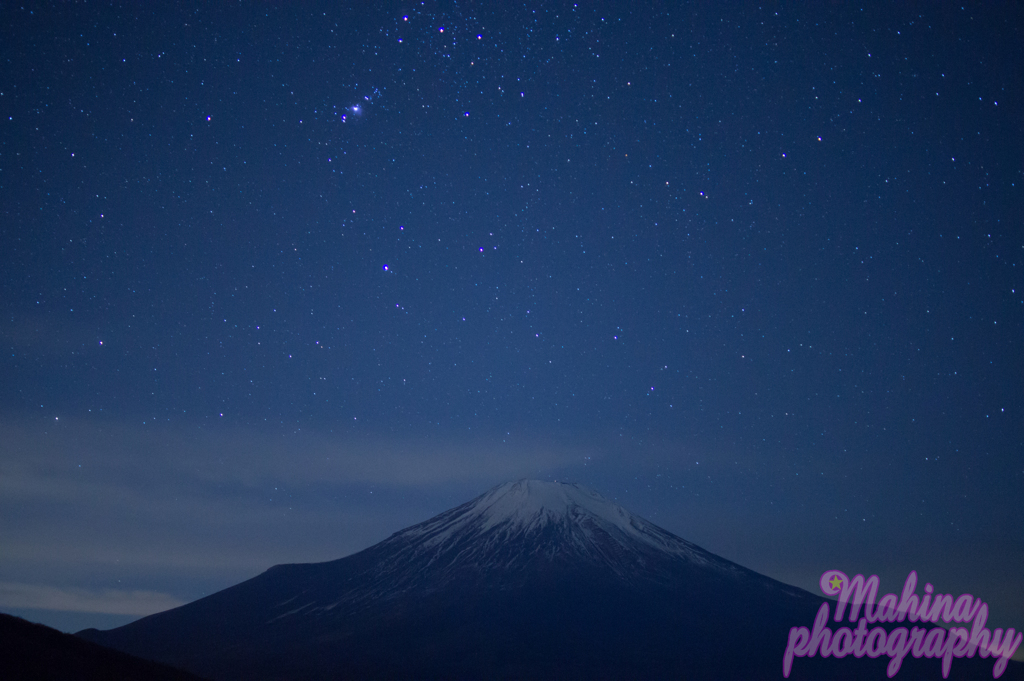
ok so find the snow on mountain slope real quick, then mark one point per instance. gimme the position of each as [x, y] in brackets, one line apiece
[518, 510]
[504, 536]
[519, 529]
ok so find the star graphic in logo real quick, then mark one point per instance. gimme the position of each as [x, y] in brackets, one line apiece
[835, 582]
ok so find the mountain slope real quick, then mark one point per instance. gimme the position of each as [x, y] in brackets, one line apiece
[530, 580]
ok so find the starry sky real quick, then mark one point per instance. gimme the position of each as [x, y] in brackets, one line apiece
[279, 280]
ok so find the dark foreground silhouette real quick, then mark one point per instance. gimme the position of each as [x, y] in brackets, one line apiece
[33, 652]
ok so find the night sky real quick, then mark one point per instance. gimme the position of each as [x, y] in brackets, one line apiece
[279, 280]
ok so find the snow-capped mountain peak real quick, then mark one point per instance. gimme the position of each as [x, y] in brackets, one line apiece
[514, 583]
[526, 503]
[519, 522]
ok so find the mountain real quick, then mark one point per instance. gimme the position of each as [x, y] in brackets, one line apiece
[532, 579]
[33, 652]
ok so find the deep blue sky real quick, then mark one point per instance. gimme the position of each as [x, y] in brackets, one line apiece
[280, 280]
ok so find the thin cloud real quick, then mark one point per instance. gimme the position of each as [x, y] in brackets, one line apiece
[102, 601]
